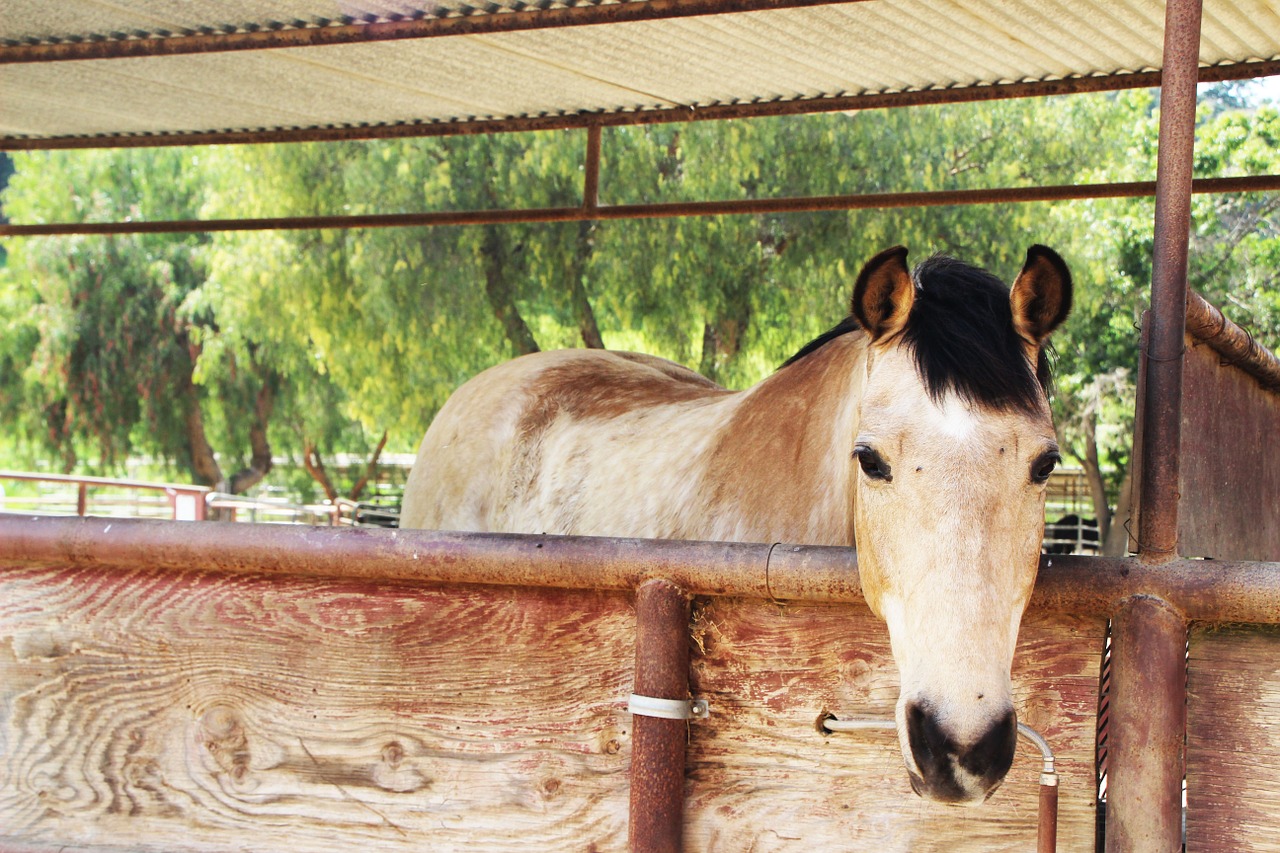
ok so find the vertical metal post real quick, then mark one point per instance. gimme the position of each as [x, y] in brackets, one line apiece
[1162, 395]
[82, 499]
[658, 745]
[1148, 727]
[591, 170]
[1148, 665]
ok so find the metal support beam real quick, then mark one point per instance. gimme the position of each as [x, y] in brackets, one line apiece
[591, 172]
[737, 207]
[275, 35]
[1148, 728]
[658, 745]
[1204, 590]
[1162, 389]
[712, 112]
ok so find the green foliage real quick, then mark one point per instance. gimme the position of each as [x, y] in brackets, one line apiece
[371, 330]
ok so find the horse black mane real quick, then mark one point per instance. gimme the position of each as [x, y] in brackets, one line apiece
[960, 332]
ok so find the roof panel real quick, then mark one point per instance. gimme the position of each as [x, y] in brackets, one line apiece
[783, 51]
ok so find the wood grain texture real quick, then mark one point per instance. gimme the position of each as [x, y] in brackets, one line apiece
[185, 711]
[1229, 468]
[199, 712]
[1233, 739]
[763, 778]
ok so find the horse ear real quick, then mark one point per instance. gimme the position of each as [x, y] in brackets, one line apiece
[1041, 296]
[884, 293]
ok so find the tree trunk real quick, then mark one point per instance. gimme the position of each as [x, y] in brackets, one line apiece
[1093, 473]
[204, 465]
[260, 449]
[584, 246]
[501, 292]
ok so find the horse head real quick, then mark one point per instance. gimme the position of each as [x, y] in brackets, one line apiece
[954, 447]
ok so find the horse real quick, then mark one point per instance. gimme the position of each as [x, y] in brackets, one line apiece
[917, 430]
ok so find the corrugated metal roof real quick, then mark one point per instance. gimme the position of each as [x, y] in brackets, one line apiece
[817, 52]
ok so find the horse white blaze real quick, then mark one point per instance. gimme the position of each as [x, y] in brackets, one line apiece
[948, 550]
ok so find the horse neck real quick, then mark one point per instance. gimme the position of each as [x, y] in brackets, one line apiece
[783, 462]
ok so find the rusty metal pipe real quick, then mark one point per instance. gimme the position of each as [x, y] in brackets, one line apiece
[803, 204]
[270, 35]
[714, 112]
[591, 171]
[1207, 324]
[1162, 389]
[1147, 728]
[1047, 816]
[658, 745]
[1210, 590]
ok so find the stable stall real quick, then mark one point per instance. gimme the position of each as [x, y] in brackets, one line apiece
[171, 685]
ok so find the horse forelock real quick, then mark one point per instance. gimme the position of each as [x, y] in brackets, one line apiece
[961, 335]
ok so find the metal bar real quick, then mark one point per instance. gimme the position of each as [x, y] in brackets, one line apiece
[1208, 325]
[277, 36]
[99, 481]
[82, 499]
[715, 112]
[1148, 727]
[1047, 828]
[658, 745]
[591, 172]
[1162, 390]
[1208, 590]
[808, 204]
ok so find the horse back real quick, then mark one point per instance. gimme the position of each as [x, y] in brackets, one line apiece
[529, 445]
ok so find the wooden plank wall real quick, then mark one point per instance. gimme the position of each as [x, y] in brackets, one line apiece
[1229, 470]
[195, 711]
[205, 712]
[764, 778]
[1233, 738]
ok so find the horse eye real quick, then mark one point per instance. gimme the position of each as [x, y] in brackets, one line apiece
[872, 465]
[1043, 467]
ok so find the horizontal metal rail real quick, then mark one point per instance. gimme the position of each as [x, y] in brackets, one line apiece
[713, 112]
[110, 482]
[1207, 324]
[1209, 590]
[419, 26]
[588, 211]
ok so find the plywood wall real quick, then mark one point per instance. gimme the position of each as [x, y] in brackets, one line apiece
[205, 712]
[1233, 739]
[764, 778]
[194, 711]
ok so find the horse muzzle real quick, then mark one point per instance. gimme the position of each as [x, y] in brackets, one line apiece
[953, 769]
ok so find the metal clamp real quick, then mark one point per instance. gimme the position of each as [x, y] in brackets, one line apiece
[668, 709]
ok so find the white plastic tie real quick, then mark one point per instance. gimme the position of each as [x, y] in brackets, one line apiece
[668, 709]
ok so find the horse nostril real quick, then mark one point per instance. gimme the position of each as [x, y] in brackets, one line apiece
[930, 745]
[951, 771]
[991, 755]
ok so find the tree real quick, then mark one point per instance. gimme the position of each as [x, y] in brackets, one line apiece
[112, 341]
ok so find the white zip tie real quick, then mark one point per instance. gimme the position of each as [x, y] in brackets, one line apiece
[668, 709]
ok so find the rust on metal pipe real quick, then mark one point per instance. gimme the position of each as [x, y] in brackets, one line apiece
[1209, 590]
[806, 204]
[275, 35]
[1162, 389]
[1047, 829]
[591, 171]
[1147, 727]
[658, 745]
[714, 112]
[1208, 325]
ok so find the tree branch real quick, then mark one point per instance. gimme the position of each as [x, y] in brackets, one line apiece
[369, 470]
